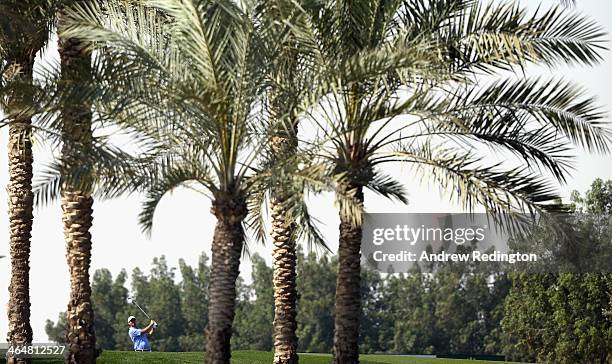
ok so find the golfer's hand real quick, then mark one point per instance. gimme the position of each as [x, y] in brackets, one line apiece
[152, 323]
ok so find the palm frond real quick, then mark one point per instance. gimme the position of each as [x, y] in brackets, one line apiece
[102, 167]
[388, 187]
[298, 175]
[472, 183]
[537, 120]
[503, 34]
[165, 180]
[555, 104]
[47, 187]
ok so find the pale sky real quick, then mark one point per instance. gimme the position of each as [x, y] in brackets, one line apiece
[183, 225]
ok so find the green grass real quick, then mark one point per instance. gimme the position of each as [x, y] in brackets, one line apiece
[253, 357]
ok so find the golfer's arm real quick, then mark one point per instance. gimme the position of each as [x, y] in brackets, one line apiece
[146, 329]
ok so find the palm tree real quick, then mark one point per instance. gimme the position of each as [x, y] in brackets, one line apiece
[288, 79]
[284, 228]
[422, 60]
[24, 30]
[77, 200]
[186, 78]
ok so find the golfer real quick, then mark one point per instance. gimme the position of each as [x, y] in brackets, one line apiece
[139, 336]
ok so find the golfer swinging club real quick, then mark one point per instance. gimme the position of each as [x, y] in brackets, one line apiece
[139, 336]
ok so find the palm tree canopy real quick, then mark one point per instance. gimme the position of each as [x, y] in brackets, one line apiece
[195, 70]
[25, 27]
[165, 73]
[402, 82]
[24, 30]
[185, 78]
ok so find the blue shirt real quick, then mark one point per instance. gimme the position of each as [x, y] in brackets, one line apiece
[141, 342]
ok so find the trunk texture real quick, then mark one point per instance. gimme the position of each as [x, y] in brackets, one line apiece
[77, 206]
[348, 292]
[285, 290]
[20, 208]
[284, 260]
[81, 338]
[227, 247]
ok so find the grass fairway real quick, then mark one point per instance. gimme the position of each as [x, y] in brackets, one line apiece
[253, 357]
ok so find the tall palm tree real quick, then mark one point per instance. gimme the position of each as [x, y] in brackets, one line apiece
[77, 200]
[288, 80]
[186, 78]
[422, 60]
[24, 30]
[284, 229]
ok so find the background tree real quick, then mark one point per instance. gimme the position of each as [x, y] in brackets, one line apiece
[159, 296]
[56, 332]
[372, 284]
[409, 311]
[561, 315]
[315, 280]
[546, 317]
[194, 303]
[597, 200]
[459, 312]
[254, 316]
[108, 298]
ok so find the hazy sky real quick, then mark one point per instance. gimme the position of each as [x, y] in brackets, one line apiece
[183, 224]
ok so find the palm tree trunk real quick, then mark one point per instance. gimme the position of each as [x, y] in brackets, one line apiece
[284, 145]
[227, 247]
[284, 148]
[20, 198]
[77, 207]
[348, 292]
[285, 289]
[77, 220]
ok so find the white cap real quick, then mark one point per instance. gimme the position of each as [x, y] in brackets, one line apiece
[131, 318]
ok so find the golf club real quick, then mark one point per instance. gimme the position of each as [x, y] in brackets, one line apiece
[131, 300]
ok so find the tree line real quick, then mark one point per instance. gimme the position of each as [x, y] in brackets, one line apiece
[450, 313]
[401, 313]
[545, 317]
[214, 95]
